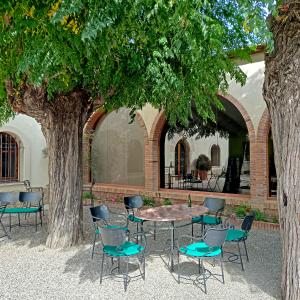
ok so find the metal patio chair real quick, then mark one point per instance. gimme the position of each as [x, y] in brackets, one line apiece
[2, 211]
[240, 235]
[117, 245]
[132, 205]
[101, 216]
[30, 188]
[210, 246]
[215, 206]
[33, 204]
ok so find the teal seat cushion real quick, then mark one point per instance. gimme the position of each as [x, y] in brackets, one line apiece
[208, 220]
[20, 210]
[135, 219]
[98, 231]
[200, 249]
[235, 235]
[197, 219]
[127, 249]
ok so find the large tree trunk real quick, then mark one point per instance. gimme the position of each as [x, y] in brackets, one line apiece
[62, 123]
[282, 95]
[64, 140]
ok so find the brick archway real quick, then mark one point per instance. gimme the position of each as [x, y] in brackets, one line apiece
[262, 140]
[91, 125]
[155, 136]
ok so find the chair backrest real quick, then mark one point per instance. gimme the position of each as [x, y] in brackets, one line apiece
[214, 204]
[100, 212]
[247, 222]
[215, 237]
[7, 197]
[113, 236]
[27, 184]
[132, 202]
[30, 197]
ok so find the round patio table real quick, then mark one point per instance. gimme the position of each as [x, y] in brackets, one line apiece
[171, 213]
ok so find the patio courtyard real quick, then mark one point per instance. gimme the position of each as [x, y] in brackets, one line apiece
[29, 270]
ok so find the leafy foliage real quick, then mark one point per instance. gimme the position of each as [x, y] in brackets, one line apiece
[149, 201]
[172, 54]
[167, 201]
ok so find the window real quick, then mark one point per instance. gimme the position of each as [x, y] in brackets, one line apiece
[180, 159]
[9, 158]
[215, 155]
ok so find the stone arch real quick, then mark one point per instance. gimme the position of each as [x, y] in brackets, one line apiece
[158, 126]
[91, 125]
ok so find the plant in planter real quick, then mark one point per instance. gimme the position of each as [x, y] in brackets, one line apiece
[203, 165]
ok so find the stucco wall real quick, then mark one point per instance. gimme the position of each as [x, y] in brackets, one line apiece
[33, 164]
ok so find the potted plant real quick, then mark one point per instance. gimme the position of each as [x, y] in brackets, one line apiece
[203, 165]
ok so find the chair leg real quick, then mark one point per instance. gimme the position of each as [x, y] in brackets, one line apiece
[241, 259]
[154, 232]
[101, 269]
[246, 250]
[36, 222]
[94, 245]
[178, 268]
[199, 266]
[222, 270]
[4, 229]
[9, 222]
[203, 275]
[126, 275]
[19, 221]
[192, 229]
[41, 218]
[144, 266]
[118, 264]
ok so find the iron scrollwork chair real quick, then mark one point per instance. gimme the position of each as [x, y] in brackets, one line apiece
[240, 235]
[116, 244]
[101, 216]
[215, 206]
[210, 246]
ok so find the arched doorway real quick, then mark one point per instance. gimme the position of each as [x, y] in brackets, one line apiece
[181, 159]
[234, 172]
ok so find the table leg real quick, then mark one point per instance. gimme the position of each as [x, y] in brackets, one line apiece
[172, 246]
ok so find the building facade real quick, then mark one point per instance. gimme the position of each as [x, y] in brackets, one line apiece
[140, 158]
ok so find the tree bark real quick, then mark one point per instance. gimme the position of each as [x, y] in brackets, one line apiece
[282, 95]
[62, 122]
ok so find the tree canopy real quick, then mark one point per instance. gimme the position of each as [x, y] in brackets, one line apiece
[173, 54]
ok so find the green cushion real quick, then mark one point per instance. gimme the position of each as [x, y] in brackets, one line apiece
[98, 231]
[200, 250]
[197, 219]
[16, 210]
[235, 235]
[127, 249]
[135, 219]
[208, 220]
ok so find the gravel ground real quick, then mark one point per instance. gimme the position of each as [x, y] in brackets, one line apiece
[29, 270]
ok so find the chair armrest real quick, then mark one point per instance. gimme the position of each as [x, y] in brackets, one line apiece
[143, 240]
[184, 237]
